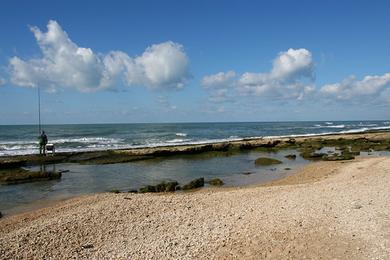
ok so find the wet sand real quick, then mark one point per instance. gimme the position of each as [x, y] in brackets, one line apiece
[326, 210]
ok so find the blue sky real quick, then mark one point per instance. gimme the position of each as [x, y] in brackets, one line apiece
[186, 61]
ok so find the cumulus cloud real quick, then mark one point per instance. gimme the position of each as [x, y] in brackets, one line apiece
[219, 80]
[219, 85]
[351, 88]
[291, 77]
[65, 64]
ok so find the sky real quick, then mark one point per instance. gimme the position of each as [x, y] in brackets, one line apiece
[194, 61]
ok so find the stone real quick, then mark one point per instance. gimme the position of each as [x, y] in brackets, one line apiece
[291, 156]
[216, 182]
[147, 188]
[197, 183]
[264, 161]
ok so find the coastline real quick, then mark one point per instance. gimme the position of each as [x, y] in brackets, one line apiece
[308, 215]
[136, 154]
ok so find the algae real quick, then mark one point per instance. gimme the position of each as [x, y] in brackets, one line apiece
[264, 161]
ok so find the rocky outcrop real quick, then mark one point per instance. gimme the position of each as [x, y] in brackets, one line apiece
[197, 183]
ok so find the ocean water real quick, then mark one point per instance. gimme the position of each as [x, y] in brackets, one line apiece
[87, 179]
[24, 139]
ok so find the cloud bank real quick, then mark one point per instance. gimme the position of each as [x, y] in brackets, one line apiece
[65, 64]
[351, 88]
[292, 78]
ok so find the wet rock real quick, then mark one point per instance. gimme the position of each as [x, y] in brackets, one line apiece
[197, 183]
[20, 175]
[166, 186]
[1, 215]
[339, 157]
[313, 156]
[115, 191]
[264, 161]
[147, 188]
[287, 169]
[132, 191]
[291, 156]
[291, 141]
[246, 173]
[161, 187]
[216, 182]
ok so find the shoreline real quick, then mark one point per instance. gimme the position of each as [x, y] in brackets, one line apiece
[262, 221]
[136, 154]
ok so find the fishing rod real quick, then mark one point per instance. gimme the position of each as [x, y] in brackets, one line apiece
[39, 110]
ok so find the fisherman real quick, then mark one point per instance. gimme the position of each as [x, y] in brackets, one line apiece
[42, 143]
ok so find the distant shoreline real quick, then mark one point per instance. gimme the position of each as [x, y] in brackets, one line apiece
[135, 154]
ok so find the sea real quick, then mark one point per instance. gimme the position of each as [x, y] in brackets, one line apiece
[234, 169]
[23, 139]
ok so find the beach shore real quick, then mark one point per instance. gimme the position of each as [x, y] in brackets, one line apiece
[136, 154]
[327, 210]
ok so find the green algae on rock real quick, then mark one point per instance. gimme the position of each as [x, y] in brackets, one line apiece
[216, 182]
[20, 175]
[197, 183]
[264, 161]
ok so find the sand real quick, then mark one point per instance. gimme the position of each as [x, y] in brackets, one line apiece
[327, 210]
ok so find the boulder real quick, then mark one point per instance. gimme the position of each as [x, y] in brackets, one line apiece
[166, 186]
[197, 183]
[264, 161]
[147, 188]
[216, 182]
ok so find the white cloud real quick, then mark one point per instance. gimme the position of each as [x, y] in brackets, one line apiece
[291, 77]
[219, 80]
[293, 63]
[351, 88]
[64, 64]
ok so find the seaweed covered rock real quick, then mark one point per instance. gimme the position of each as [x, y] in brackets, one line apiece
[197, 183]
[340, 157]
[147, 188]
[167, 186]
[291, 156]
[311, 155]
[216, 182]
[20, 175]
[264, 161]
[161, 187]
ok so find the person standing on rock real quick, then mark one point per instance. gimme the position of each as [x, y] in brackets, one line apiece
[42, 143]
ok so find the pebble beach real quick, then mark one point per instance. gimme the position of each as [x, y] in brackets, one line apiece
[327, 210]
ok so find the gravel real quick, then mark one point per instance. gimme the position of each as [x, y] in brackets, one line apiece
[327, 210]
